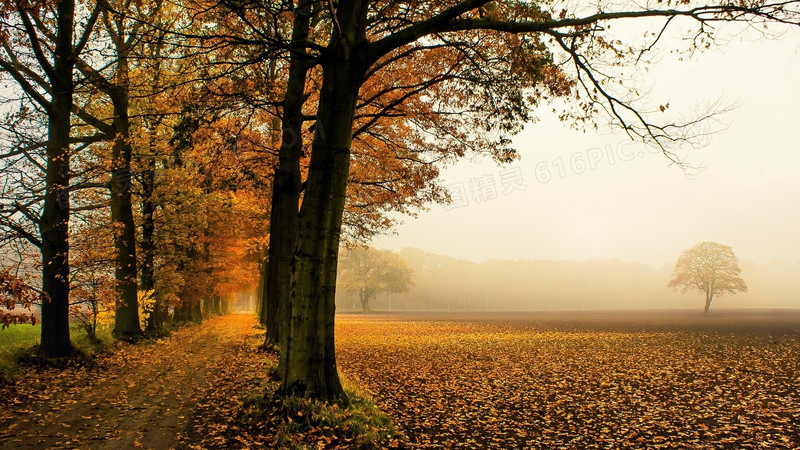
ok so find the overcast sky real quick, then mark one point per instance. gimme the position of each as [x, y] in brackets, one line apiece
[629, 203]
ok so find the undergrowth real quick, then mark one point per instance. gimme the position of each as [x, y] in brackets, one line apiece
[297, 422]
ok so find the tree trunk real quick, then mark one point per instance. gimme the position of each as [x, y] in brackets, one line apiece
[157, 317]
[286, 196]
[365, 296]
[209, 308]
[311, 360]
[262, 280]
[160, 313]
[709, 297]
[196, 311]
[183, 311]
[54, 225]
[126, 318]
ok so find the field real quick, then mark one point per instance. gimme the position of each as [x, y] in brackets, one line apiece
[18, 339]
[587, 379]
[14, 340]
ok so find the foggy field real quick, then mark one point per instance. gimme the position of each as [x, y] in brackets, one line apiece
[582, 379]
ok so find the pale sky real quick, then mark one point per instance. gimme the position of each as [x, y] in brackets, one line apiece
[636, 207]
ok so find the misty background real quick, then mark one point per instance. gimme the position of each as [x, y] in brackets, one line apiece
[587, 219]
[444, 283]
[594, 194]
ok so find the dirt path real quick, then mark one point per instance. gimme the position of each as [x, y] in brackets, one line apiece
[140, 396]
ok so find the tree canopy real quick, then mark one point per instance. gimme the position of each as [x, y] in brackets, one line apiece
[367, 271]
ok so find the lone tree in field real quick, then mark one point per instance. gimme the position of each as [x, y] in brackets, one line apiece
[368, 271]
[708, 267]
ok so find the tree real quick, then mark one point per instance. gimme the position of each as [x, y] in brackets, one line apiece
[114, 81]
[710, 268]
[42, 66]
[494, 38]
[424, 81]
[367, 272]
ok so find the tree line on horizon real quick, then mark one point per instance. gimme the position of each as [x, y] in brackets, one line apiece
[446, 284]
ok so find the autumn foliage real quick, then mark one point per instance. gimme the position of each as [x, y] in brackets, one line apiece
[15, 294]
[161, 159]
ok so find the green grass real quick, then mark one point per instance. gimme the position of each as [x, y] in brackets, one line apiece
[18, 341]
[14, 341]
[303, 423]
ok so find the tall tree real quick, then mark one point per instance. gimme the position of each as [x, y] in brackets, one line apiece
[365, 35]
[286, 188]
[42, 65]
[122, 24]
[710, 268]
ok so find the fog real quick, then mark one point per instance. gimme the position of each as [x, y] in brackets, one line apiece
[444, 283]
[626, 201]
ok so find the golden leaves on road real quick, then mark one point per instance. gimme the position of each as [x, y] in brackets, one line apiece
[138, 395]
[516, 384]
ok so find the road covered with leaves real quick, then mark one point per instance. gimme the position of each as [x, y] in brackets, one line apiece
[582, 380]
[153, 395]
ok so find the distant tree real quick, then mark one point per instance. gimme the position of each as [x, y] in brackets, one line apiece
[708, 267]
[368, 271]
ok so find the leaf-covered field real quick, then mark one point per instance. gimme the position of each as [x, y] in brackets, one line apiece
[644, 380]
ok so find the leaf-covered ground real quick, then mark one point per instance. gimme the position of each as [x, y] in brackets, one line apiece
[137, 396]
[204, 386]
[584, 381]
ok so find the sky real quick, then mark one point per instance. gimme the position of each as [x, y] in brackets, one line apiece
[626, 201]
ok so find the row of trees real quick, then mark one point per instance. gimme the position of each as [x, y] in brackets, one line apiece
[117, 177]
[207, 114]
[161, 163]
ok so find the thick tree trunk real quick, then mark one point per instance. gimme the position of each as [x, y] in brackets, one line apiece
[262, 280]
[286, 196]
[196, 311]
[311, 360]
[54, 225]
[126, 318]
[207, 307]
[54, 229]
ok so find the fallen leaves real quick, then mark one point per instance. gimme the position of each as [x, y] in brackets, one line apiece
[521, 384]
[445, 383]
[243, 411]
[139, 393]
